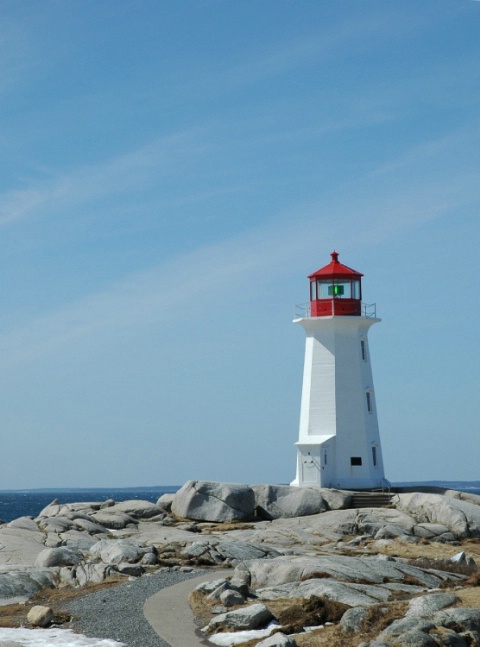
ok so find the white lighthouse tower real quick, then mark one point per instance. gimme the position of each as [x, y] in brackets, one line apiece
[339, 442]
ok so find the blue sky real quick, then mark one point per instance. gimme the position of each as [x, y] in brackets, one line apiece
[172, 171]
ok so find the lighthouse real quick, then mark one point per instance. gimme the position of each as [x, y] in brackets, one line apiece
[339, 441]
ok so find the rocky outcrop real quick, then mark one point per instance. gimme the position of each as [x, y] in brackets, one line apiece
[321, 552]
[282, 501]
[426, 605]
[23, 584]
[61, 556]
[213, 551]
[116, 551]
[252, 617]
[210, 501]
[461, 518]
[354, 581]
[358, 583]
[457, 627]
[165, 501]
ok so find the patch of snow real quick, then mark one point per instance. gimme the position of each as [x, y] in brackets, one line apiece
[236, 637]
[53, 638]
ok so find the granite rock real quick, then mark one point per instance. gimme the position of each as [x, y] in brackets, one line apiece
[212, 501]
[246, 618]
[277, 640]
[62, 556]
[462, 518]
[40, 616]
[283, 501]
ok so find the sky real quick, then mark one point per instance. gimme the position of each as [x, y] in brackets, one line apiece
[171, 172]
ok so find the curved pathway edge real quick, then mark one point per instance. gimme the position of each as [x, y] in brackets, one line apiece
[170, 616]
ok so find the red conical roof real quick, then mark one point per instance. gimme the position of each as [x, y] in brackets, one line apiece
[335, 270]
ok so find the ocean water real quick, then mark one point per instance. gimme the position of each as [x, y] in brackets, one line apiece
[29, 503]
[473, 487]
[20, 503]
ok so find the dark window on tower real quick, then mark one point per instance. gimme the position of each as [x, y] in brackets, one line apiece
[355, 460]
[364, 350]
[369, 401]
[374, 456]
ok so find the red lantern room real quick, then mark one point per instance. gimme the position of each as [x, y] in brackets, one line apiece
[335, 290]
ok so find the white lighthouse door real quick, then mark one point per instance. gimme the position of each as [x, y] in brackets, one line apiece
[310, 466]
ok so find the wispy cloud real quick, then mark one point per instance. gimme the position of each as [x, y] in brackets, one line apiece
[156, 296]
[16, 59]
[130, 171]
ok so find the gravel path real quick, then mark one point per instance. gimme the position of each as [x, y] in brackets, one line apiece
[117, 613]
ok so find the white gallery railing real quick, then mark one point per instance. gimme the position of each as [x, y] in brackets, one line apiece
[302, 310]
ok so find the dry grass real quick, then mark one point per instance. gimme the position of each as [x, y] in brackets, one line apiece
[378, 618]
[445, 565]
[431, 550]
[469, 597]
[226, 526]
[15, 615]
[201, 607]
[474, 579]
[310, 612]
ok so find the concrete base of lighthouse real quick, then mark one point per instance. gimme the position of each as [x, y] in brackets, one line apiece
[314, 469]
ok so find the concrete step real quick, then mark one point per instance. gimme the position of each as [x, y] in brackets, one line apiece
[371, 500]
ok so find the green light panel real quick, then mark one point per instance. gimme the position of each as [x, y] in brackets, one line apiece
[336, 290]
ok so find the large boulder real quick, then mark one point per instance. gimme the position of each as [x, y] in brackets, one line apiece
[165, 501]
[116, 551]
[350, 594]
[20, 544]
[57, 509]
[457, 627]
[464, 496]
[252, 617]
[40, 616]
[366, 570]
[283, 501]
[216, 502]
[54, 524]
[113, 520]
[86, 573]
[26, 583]
[211, 550]
[23, 523]
[352, 620]
[459, 619]
[61, 556]
[426, 605]
[336, 499]
[137, 509]
[460, 517]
